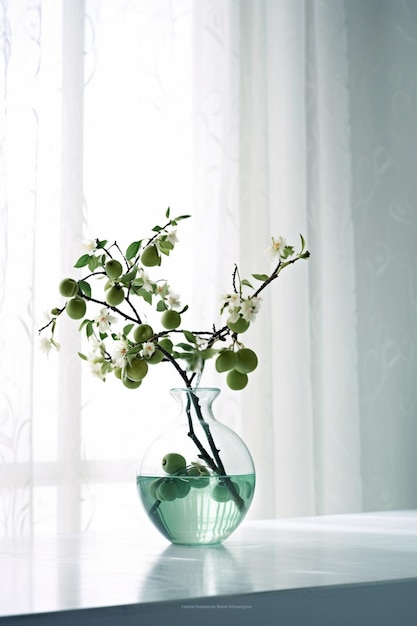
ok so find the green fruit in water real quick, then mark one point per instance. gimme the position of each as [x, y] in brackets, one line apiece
[68, 287]
[183, 487]
[114, 269]
[167, 491]
[143, 332]
[247, 360]
[137, 369]
[166, 344]
[150, 256]
[76, 308]
[199, 476]
[170, 319]
[173, 462]
[154, 486]
[222, 493]
[226, 361]
[131, 384]
[236, 380]
[115, 295]
[240, 326]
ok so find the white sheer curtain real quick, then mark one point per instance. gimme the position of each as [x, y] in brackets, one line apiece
[259, 118]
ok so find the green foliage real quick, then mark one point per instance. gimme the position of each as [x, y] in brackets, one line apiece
[126, 288]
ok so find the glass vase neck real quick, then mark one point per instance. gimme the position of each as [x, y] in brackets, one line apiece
[205, 395]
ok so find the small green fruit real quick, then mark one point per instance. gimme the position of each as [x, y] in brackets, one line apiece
[236, 380]
[76, 308]
[143, 332]
[167, 491]
[114, 269]
[131, 384]
[170, 319]
[183, 487]
[199, 476]
[137, 369]
[226, 361]
[150, 256]
[222, 493]
[68, 287]
[240, 326]
[156, 357]
[173, 462]
[115, 295]
[153, 487]
[247, 360]
[166, 344]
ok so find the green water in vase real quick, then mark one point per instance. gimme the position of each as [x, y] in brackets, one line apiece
[196, 510]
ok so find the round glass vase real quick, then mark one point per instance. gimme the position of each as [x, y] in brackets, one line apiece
[196, 480]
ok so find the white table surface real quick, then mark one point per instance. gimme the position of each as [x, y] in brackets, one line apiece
[346, 568]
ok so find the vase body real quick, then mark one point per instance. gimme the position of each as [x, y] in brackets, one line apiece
[196, 481]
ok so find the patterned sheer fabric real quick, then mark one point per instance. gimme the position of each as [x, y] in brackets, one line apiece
[260, 118]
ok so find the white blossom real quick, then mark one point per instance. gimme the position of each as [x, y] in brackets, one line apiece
[250, 308]
[46, 345]
[172, 236]
[148, 349]
[89, 245]
[276, 249]
[234, 315]
[147, 284]
[162, 289]
[118, 354]
[232, 300]
[96, 369]
[104, 319]
[174, 300]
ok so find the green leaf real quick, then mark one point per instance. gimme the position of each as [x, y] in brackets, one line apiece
[182, 217]
[157, 229]
[89, 329]
[83, 323]
[145, 295]
[247, 283]
[129, 276]
[93, 263]
[262, 277]
[103, 336]
[186, 347]
[82, 261]
[164, 244]
[189, 336]
[208, 353]
[133, 249]
[80, 354]
[85, 287]
[168, 211]
[161, 306]
[100, 244]
[127, 329]
[288, 251]
[303, 243]
[183, 310]
[134, 349]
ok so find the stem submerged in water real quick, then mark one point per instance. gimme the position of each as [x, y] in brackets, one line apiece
[215, 463]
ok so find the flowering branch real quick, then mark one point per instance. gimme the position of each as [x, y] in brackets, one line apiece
[129, 352]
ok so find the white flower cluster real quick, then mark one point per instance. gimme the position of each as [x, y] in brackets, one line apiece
[240, 307]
